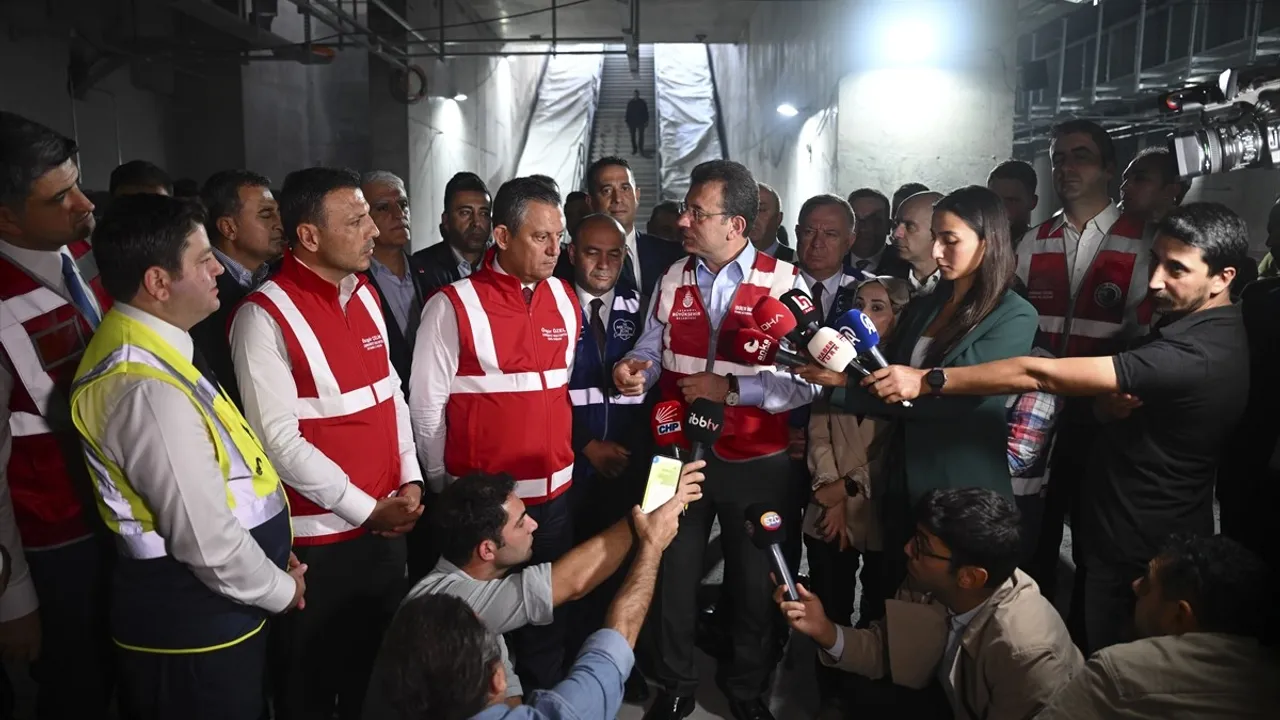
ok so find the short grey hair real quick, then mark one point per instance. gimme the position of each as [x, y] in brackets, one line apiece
[381, 177]
[769, 189]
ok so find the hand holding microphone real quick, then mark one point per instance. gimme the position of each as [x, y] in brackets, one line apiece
[867, 340]
[764, 526]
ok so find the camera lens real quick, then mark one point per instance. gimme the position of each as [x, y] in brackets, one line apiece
[1218, 149]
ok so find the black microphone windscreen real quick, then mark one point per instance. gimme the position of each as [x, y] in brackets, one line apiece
[705, 422]
[764, 525]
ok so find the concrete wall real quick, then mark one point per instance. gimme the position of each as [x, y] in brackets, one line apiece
[114, 122]
[903, 92]
[483, 134]
[790, 53]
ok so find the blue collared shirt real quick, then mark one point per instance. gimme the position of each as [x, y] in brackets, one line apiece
[769, 390]
[399, 292]
[592, 690]
[238, 272]
[464, 267]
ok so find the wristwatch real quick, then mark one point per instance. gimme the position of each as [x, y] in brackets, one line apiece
[733, 397]
[936, 378]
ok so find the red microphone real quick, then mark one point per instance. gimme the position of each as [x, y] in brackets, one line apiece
[756, 348]
[774, 319]
[668, 424]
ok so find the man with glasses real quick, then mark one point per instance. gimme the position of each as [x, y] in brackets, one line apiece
[686, 349]
[967, 620]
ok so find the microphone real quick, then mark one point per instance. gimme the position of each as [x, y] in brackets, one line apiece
[831, 350]
[807, 315]
[756, 348]
[703, 425]
[857, 327]
[865, 336]
[764, 526]
[774, 318]
[668, 425]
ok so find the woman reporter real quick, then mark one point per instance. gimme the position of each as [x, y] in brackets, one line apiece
[972, 317]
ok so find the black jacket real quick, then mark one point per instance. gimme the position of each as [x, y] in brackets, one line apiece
[401, 344]
[435, 266]
[637, 113]
[212, 335]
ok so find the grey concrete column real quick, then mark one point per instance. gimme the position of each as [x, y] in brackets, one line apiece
[388, 117]
[930, 96]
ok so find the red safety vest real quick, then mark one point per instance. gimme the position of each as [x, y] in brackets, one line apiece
[1110, 307]
[42, 336]
[508, 409]
[749, 432]
[342, 369]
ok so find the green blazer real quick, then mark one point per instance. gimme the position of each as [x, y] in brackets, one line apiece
[954, 441]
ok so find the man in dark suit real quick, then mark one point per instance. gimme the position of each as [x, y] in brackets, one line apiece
[766, 232]
[246, 234]
[611, 187]
[465, 226]
[399, 285]
[871, 253]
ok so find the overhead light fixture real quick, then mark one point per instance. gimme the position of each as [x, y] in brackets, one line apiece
[459, 97]
[788, 110]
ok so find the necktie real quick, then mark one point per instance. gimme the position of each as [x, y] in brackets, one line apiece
[597, 325]
[862, 265]
[75, 288]
[528, 295]
[629, 272]
[202, 364]
[818, 290]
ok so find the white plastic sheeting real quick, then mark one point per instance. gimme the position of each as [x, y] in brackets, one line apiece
[687, 132]
[560, 133]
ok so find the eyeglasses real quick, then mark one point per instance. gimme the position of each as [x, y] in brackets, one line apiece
[698, 215]
[920, 549]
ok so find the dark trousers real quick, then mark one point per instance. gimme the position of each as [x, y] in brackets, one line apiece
[727, 491]
[597, 502]
[420, 547]
[322, 655]
[833, 574]
[637, 138]
[799, 489]
[1068, 465]
[1108, 602]
[221, 684]
[538, 650]
[73, 584]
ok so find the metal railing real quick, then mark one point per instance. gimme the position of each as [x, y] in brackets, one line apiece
[1111, 61]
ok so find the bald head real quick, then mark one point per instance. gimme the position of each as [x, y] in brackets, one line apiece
[912, 232]
[764, 231]
[597, 253]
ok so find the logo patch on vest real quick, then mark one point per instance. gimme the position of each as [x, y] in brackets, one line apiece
[373, 342]
[687, 309]
[1107, 295]
[624, 329]
[554, 334]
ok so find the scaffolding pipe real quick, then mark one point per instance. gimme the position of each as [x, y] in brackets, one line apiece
[508, 53]
[340, 16]
[1097, 55]
[1137, 51]
[606, 40]
[554, 27]
[1257, 30]
[399, 20]
[1062, 65]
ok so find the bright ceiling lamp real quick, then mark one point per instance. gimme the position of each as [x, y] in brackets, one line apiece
[788, 110]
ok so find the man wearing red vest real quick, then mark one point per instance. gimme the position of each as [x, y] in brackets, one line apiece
[697, 308]
[50, 303]
[1085, 271]
[489, 390]
[311, 355]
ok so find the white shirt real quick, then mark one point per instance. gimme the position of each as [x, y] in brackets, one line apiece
[633, 252]
[585, 297]
[435, 363]
[1082, 246]
[270, 398]
[159, 439]
[830, 287]
[20, 597]
[872, 263]
[923, 288]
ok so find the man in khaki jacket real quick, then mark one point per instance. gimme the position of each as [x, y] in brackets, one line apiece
[1202, 607]
[967, 619]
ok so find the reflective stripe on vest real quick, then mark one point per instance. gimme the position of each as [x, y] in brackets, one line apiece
[494, 380]
[331, 401]
[26, 361]
[253, 496]
[595, 396]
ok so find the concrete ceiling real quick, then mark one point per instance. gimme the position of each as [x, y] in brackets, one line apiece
[661, 21]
